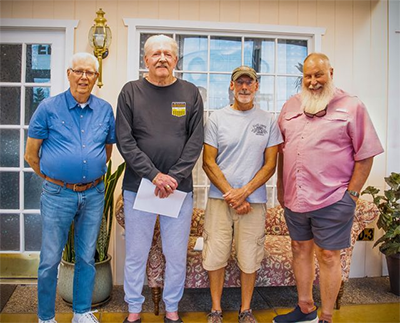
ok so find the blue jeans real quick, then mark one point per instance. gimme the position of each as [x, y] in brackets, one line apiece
[139, 229]
[60, 206]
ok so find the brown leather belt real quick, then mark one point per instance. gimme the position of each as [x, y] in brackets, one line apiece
[75, 187]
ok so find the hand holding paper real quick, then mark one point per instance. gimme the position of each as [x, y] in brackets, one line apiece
[147, 201]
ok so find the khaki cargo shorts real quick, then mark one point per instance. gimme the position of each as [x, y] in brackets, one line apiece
[222, 225]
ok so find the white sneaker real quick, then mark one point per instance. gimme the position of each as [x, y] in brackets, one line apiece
[48, 321]
[87, 317]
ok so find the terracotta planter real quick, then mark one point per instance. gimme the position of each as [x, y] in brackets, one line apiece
[102, 283]
[393, 264]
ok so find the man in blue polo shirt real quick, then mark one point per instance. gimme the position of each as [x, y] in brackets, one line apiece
[70, 140]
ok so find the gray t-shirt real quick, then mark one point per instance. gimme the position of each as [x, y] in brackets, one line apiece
[241, 138]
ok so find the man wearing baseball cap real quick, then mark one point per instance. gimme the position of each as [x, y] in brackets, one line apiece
[240, 150]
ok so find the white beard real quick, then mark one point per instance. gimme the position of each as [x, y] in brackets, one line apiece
[313, 103]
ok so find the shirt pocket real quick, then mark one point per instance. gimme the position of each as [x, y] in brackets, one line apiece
[100, 131]
[291, 125]
[60, 128]
[335, 122]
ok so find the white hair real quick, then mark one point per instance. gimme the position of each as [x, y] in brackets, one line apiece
[83, 56]
[160, 39]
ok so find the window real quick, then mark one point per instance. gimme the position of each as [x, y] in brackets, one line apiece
[208, 54]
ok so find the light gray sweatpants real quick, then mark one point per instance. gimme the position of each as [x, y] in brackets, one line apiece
[139, 228]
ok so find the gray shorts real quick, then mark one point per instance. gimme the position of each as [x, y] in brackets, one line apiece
[330, 227]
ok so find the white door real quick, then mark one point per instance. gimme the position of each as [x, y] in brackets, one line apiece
[32, 68]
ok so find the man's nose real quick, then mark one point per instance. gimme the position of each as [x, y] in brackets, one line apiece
[162, 57]
[314, 81]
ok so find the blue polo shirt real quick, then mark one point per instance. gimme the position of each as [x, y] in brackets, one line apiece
[74, 138]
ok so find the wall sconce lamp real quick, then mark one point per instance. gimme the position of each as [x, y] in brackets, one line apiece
[100, 40]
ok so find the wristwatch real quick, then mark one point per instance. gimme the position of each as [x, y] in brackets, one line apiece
[354, 193]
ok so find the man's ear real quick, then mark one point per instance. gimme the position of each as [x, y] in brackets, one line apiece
[231, 85]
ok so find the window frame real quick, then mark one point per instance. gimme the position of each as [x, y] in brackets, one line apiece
[313, 35]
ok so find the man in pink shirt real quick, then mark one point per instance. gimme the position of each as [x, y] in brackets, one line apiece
[326, 157]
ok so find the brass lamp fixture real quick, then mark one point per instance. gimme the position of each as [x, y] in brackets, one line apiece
[100, 40]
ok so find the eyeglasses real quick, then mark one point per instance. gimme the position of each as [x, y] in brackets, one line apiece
[80, 73]
[319, 114]
[248, 83]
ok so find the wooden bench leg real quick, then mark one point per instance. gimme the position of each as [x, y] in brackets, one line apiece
[156, 296]
[339, 296]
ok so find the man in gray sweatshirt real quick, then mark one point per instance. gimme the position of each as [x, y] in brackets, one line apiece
[159, 129]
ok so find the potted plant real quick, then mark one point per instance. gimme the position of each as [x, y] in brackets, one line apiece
[389, 221]
[103, 281]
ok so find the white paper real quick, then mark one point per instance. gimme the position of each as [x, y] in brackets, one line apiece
[199, 244]
[148, 202]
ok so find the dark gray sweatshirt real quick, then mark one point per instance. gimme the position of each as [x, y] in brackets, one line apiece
[159, 129]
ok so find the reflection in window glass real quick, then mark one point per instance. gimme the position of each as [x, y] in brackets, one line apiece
[9, 105]
[33, 96]
[260, 54]
[193, 53]
[9, 190]
[291, 53]
[33, 232]
[38, 63]
[32, 190]
[9, 232]
[226, 53]
[10, 70]
[219, 93]
[143, 38]
[265, 94]
[200, 80]
[286, 88]
[9, 143]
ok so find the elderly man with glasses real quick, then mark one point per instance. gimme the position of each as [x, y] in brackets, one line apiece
[240, 149]
[70, 139]
[326, 157]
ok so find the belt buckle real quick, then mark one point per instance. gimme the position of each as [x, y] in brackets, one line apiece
[78, 187]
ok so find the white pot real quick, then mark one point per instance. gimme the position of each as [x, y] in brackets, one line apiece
[102, 283]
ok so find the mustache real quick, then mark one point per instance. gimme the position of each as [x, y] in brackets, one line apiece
[318, 86]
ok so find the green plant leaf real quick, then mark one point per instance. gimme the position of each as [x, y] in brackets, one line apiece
[389, 214]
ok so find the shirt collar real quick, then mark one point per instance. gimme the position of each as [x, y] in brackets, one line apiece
[72, 103]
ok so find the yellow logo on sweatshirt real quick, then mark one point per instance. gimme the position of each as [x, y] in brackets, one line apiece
[178, 109]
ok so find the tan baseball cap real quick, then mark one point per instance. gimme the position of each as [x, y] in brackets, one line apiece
[244, 70]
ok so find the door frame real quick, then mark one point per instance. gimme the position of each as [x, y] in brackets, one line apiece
[23, 264]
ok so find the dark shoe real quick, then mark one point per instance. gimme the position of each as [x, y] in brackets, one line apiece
[246, 317]
[167, 320]
[136, 321]
[297, 316]
[214, 317]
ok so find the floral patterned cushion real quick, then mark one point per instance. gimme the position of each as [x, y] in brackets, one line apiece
[276, 268]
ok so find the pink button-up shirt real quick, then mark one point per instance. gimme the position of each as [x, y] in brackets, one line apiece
[319, 153]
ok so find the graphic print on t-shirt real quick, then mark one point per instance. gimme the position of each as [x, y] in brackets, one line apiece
[178, 109]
